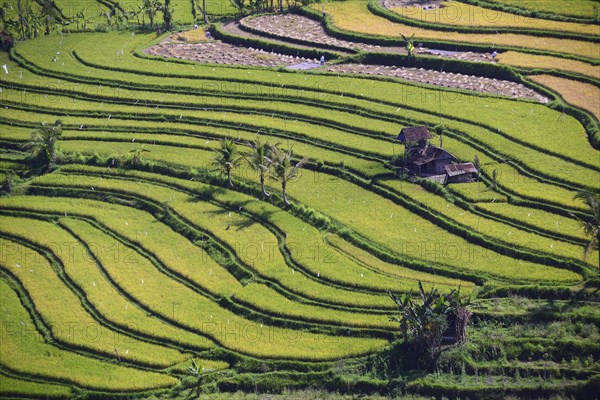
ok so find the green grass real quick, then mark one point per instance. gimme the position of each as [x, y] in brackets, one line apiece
[354, 16]
[136, 270]
[256, 293]
[528, 117]
[25, 351]
[92, 9]
[577, 8]
[494, 229]
[303, 242]
[538, 218]
[272, 303]
[197, 312]
[108, 299]
[59, 105]
[359, 210]
[305, 247]
[253, 243]
[70, 322]
[477, 192]
[17, 387]
[456, 13]
[402, 275]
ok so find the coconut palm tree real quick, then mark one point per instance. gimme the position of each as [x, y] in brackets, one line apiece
[591, 224]
[42, 144]
[284, 170]
[239, 5]
[227, 158]
[258, 159]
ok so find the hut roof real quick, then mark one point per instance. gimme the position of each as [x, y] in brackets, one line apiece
[428, 154]
[460, 169]
[414, 134]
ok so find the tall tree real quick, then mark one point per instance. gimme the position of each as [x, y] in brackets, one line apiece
[238, 5]
[284, 170]
[591, 224]
[227, 158]
[43, 146]
[151, 8]
[50, 14]
[259, 161]
[167, 14]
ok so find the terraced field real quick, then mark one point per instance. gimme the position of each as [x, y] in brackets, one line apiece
[134, 256]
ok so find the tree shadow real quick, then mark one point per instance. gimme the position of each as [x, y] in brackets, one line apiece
[207, 193]
[234, 208]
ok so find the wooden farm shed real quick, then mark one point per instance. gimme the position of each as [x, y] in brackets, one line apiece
[464, 172]
[428, 160]
[414, 135]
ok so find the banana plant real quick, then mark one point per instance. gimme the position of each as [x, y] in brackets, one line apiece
[410, 46]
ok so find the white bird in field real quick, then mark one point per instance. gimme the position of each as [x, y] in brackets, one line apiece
[5, 69]
[126, 351]
[94, 283]
[142, 281]
[318, 274]
[126, 223]
[18, 265]
[132, 140]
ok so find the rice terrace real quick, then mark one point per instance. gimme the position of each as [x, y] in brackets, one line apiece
[299, 199]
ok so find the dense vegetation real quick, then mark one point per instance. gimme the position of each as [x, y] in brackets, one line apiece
[172, 229]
